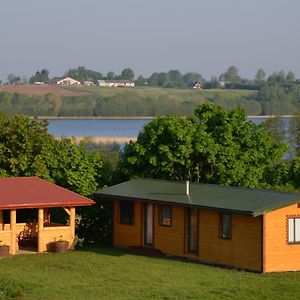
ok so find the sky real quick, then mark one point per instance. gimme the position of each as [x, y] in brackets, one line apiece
[149, 36]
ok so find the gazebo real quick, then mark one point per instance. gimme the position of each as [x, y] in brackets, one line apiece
[19, 193]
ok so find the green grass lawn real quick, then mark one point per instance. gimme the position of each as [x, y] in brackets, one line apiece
[107, 273]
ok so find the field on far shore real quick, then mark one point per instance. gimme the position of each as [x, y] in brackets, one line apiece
[82, 101]
[40, 90]
[175, 93]
[43, 89]
[108, 273]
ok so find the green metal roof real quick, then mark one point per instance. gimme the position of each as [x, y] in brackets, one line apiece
[253, 202]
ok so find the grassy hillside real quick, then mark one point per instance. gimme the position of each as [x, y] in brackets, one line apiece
[40, 90]
[151, 101]
[156, 91]
[131, 102]
[113, 274]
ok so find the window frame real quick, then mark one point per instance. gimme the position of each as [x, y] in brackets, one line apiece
[162, 207]
[294, 242]
[130, 221]
[221, 236]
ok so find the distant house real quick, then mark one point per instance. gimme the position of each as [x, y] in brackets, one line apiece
[221, 83]
[115, 83]
[38, 197]
[88, 82]
[64, 81]
[197, 85]
[246, 228]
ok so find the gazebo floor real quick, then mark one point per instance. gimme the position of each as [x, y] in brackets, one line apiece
[27, 251]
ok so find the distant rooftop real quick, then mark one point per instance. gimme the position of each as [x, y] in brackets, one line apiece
[116, 81]
[248, 201]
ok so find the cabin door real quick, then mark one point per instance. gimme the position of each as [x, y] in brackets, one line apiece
[148, 225]
[192, 230]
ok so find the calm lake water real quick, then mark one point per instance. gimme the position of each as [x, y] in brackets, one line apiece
[105, 128]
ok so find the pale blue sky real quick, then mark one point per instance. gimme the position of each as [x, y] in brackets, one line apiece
[191, 35]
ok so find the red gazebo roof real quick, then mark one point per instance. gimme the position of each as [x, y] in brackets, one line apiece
[34, 192]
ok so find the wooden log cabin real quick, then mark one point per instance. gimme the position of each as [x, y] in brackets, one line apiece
[36, 198]
[257, 230]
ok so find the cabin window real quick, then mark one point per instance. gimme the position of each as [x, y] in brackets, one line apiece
[126, 212]
[294, 230]
[225, 226]
[165, 216]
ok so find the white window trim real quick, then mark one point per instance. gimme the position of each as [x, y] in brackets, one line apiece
[293, 230]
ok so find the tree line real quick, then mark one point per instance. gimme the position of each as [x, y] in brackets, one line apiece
[122, 103]
[172, 78]
[80, 73]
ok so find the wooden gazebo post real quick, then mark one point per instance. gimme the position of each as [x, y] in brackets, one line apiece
[13, 232]
[40, 230]
[72, 227]
[1, 220]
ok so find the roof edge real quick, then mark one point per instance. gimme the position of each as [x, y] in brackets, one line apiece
[111, 197]
[30, 206]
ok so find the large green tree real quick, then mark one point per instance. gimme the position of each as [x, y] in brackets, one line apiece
[232, 75]
[175, 79]
[13, 79]
[259, 76]
[27, 149]
[276, 126]
[215, 146]
[294, 134]
[290, 77]
[127, 74]
[40, 76]
[81, 73]
[162, 79]
[190, 78]
[153, 79]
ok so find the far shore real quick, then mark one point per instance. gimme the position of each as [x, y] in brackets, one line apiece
[105, 139]
[93, 118]
[143, 118]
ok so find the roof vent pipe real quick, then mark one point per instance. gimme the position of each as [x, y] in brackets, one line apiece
[187, 187]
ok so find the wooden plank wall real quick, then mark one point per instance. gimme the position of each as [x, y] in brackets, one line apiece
[279, 255]
[170, 239]
[127, 234]
[51, 234]
[244, 250]
[5, 237]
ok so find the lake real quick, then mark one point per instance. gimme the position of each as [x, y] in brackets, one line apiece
[103, 127]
